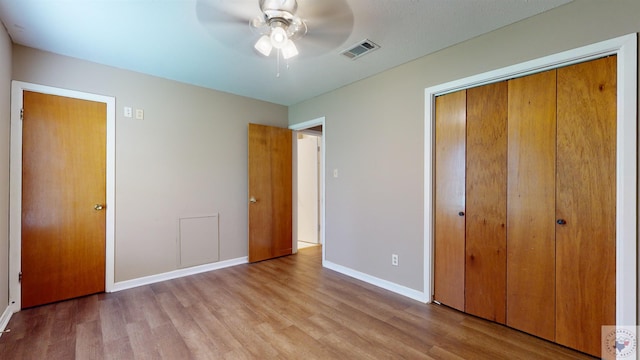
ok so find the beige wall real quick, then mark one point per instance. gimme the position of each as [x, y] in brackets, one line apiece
[5, 113]
[187, 157]
[189, 154]
[374, 133]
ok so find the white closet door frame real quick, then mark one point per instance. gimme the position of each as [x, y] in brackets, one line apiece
[625, 47]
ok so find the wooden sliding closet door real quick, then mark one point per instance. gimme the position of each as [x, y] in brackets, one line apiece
[449, 199]
[586, 202]
[525, 202]
[486, 202]
[531, 206]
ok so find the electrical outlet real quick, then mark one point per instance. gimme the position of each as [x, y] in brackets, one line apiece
[394, 259]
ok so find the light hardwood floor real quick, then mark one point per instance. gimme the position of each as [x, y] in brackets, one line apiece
[287, 308]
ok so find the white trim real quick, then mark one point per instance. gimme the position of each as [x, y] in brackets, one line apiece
[387, 285]
[302, 126]
[152, 279]
[15, 187]
[626, 174]
[4, 319]
[308, 124]
[626, 185]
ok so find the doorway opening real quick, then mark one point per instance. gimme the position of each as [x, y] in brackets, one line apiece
[308, 185]
[308, 188]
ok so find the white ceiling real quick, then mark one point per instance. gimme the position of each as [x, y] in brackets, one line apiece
[202, 42]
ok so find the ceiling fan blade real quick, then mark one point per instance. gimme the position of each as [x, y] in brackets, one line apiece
[333, 14]
[228, 21]
[326, 11]
[330, 23]
[212, 12]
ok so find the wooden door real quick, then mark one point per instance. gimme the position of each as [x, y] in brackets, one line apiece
[531, 204]
[586, 202]
[449, 198]
[63, 178]
[270, 192]
[486, 202]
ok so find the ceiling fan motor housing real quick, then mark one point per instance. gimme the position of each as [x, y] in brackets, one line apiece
[284, 9]
[280, 14]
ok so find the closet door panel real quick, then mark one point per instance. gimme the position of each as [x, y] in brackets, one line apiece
[531, 204]
[486, 202]
[586, 200]
[449, 199]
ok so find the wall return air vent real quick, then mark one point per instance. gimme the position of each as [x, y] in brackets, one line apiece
[360, 49]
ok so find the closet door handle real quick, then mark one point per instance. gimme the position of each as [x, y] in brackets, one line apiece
[561, 222]
[461, 213]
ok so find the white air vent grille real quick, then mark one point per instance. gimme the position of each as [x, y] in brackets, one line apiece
[360, 49]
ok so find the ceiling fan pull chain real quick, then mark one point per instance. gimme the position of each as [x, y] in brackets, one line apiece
[278, 63]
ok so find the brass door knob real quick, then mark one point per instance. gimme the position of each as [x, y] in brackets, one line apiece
[98, 207]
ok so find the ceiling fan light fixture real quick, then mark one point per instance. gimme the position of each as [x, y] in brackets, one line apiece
[263, 45]
[257, 23]
[289, 50]
[296, 29]
[279, 26]
[279, 37]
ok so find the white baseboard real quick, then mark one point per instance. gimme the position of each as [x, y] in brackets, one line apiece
[4, 319]
[128, 284]
[387, 285]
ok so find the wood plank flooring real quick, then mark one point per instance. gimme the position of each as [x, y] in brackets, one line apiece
[287, 308]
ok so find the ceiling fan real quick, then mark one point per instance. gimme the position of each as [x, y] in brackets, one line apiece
[279, 26]
[291, 27]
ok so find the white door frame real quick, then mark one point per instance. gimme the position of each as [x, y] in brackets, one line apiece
[15, 186]
[299, 127]
[625, 47]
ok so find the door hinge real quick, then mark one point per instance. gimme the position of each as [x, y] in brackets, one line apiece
[22, 114]
[20, 277]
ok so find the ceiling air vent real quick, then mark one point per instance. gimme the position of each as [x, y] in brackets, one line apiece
[362, 48]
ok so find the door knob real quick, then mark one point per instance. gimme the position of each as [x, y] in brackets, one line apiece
[98, 207]
[253, 200]
[561, 222]
[461, 213]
